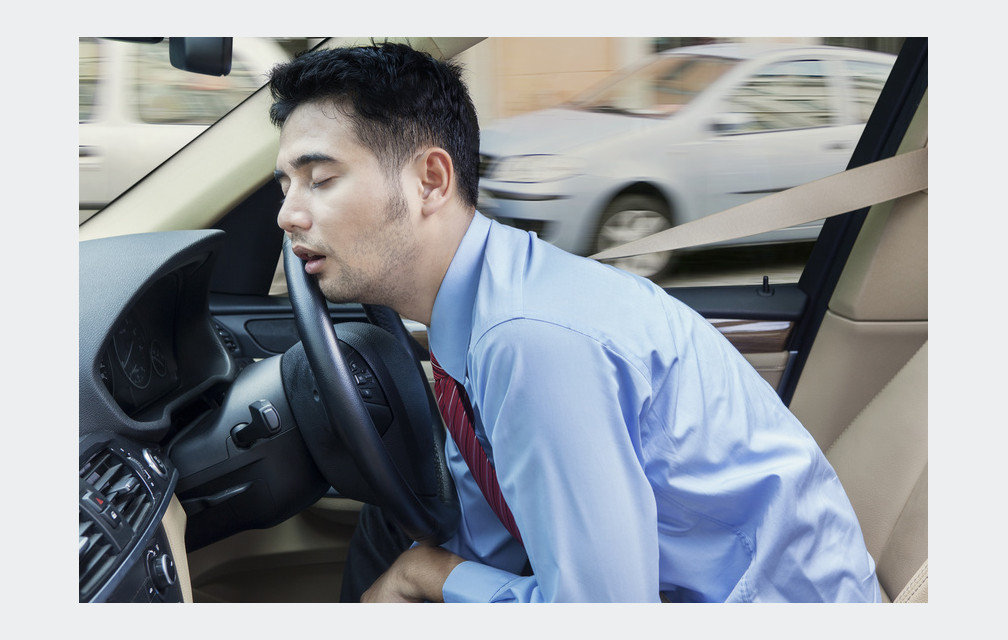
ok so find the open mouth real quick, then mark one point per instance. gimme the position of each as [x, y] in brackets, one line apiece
[313, 261]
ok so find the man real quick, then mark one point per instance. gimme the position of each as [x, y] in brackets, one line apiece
[636, 455]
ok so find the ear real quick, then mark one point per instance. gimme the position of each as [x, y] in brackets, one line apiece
[437, 179]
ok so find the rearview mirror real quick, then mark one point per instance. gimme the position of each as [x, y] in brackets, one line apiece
[208, 56]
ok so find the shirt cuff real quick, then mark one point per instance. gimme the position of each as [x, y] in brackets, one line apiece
[474, 582]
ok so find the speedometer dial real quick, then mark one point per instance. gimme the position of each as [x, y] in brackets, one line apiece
[133, 352]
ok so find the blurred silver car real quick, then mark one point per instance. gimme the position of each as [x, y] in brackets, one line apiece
[690, 132]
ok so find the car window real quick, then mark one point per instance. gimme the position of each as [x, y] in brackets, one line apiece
[610, 176]
[651, 178]
[794, 94]
[90, 70]
[163, 95]
[865, 81]
[136, 110]
[659, 88]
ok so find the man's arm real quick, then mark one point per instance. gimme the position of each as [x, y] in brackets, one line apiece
[480, 538]
[418, 575]
[561, 412]
[563, 429]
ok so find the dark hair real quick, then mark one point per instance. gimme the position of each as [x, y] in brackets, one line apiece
[399, 100]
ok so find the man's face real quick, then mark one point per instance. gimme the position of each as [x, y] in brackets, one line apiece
[345, 217]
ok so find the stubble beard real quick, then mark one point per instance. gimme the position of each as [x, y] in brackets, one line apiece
[393, 258]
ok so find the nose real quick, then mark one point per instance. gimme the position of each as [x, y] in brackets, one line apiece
[293, 215]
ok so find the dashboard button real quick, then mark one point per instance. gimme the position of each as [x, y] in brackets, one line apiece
[154, 462]
[112, 517]
[162, 570]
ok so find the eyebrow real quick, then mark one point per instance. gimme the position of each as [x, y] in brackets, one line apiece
[302, 161]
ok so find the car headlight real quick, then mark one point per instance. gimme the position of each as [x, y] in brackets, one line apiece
[536, 168]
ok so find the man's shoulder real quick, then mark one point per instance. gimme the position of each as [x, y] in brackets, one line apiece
[529, 275]
[556, 306]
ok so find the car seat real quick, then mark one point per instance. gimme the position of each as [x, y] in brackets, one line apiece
[882, 462]
[863, 391]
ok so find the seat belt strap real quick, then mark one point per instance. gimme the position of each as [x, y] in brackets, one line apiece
[839, 193]
[916, 589]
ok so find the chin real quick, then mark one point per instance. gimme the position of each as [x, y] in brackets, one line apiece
[337, 297]
[336, 291]
[331, 291]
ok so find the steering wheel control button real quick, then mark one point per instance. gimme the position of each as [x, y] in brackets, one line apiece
[265, 422]
[365, 379]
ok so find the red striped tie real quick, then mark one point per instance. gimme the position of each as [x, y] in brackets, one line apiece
[458, 415]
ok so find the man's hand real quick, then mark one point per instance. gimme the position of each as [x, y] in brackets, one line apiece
[418, 575]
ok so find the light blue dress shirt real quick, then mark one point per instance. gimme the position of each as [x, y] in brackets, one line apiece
[639, 452]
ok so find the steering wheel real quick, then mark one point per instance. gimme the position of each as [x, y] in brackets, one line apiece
[428, 512]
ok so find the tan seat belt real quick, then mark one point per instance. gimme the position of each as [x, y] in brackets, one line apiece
[916, 589]
[848, 190]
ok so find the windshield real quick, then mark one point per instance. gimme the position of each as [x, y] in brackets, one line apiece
[772, 126]
[659, 88]
[136, 109]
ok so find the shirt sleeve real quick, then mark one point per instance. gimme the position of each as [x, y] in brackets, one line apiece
[560, 415]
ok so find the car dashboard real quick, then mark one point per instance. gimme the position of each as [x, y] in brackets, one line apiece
[124, 551]
[149, 360]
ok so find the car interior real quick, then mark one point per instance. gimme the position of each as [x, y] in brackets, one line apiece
[208, 469]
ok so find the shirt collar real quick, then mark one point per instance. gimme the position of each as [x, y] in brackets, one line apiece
[452, 315]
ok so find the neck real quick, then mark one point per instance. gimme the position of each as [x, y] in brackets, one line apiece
[440, 238]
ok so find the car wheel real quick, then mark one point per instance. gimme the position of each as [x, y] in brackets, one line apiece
[632, 217]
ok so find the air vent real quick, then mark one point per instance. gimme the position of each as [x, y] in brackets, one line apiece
[119, 506]
[121, 488]
[97, 556]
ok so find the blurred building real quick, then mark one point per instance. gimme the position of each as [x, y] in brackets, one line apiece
[509, 76]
